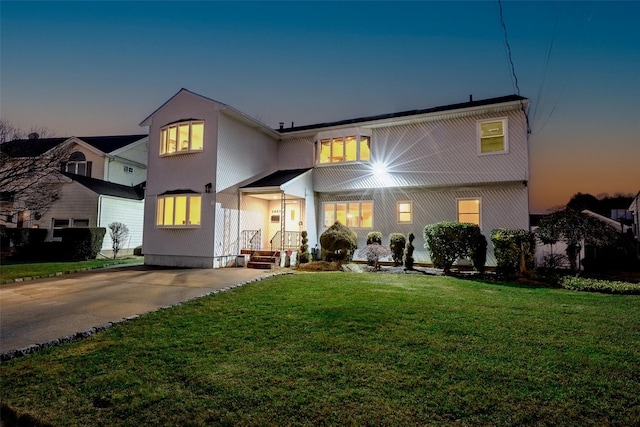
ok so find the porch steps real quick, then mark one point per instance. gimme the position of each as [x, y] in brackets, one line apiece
[262, 259]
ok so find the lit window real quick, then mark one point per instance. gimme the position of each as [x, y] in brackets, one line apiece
[404, 213]
[469, 211]
[340, 149]
[351, 214]
[182, 210]
[492, 136]
[183, 137]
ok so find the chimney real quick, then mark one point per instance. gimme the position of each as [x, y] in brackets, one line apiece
[33, 135]
[291, 124]
[281, 125]
[470, 97]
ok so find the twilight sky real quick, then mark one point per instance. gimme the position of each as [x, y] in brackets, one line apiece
[99, 68]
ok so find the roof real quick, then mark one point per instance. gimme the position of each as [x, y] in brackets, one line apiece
[106, 188]
[276, 179]
[36, 147]
[470, 104]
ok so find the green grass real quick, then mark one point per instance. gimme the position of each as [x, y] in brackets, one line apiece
[349, 349]
[11, 271]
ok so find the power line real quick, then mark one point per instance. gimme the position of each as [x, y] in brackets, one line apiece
[513, 68]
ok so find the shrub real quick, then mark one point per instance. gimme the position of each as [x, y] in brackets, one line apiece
[118, 233]
[605, 286]
[304, 256]
[373, 252]
[514, 249]
[397, 242]
[338, 243]
[448, 241]
[81, 244]
[374, 237]
[23, 237]
[408, 252]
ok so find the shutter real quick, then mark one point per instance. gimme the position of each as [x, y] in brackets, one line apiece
[89, 168]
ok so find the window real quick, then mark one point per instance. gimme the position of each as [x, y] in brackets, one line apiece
[80, 223]
[128, 169]
[351, 214]
[345, 149]
[492, 136]
[183, 137]
[469, 211]
[179, 210]
[404, 213]
[78, 164]
[57, 225]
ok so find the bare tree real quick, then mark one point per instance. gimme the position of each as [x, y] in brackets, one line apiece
[29, 170]
[119, 233]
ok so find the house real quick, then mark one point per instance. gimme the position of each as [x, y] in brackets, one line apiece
[220, 182]
[102, 182]
[634, 208]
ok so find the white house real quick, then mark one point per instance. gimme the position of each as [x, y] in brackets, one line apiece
[103, 181]
[220, 181]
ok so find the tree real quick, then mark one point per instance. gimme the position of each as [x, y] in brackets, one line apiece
[118, 233]
[29, 171]
[575, 228]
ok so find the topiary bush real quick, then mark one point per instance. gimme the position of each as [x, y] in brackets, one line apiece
[447, 241]
[81, 244]
[408, 252]
[338, 243]
[374, 237]
[397, 241]
[515, 251]
[304, 256]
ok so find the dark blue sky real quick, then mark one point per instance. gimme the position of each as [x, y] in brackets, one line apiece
[96, 68]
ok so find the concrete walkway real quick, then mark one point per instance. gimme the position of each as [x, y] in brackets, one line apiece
[42, 310]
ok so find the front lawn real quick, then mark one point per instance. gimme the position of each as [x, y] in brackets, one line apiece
[349, 349]
[16, 270]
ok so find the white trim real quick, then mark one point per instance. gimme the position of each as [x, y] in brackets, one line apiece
[505, 132]
[479, 199]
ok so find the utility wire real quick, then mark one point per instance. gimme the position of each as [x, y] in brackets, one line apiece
[513, 68]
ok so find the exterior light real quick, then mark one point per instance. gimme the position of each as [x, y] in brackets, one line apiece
[379, 169]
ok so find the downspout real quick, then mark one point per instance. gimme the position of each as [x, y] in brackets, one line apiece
[282, 219]
[239, 213]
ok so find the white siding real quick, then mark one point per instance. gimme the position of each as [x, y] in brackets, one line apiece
[181, 247]
[432, 154]
[501, 207]
[296, 153]
[126, 211]
[243, 153]
[114, 170]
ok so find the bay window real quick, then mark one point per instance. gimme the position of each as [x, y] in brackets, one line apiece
[182, 137]
[179, 210]
[341, 149]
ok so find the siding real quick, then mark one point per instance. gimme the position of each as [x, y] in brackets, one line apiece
[504, 206]
[128, 212]
[431, 154]
[181, 172]
[296, 153]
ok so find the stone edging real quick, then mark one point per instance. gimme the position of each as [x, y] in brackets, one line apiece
[62, 273]
[35, 348]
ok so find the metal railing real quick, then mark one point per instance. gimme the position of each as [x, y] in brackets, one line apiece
[288, 240]
[251, 239]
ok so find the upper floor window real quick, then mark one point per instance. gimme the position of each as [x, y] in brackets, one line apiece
[469, 211]
[351, 214]
[492, 136]
[78, 164]
[182, 137]
[342, 149]
[404, 212]
[179, 210]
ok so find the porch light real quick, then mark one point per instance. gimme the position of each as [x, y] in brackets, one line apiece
[379, 169]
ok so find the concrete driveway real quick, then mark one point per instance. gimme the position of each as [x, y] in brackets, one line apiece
[41, 310]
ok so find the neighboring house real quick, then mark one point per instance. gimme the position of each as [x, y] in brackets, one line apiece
[634, 208]
[102, 182]
[220, 181]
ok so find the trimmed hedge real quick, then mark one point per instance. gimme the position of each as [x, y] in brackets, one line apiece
[374, 237]
[81, 244]
[397, 241]
[338, 243]
[447, 241]
[23, 237]
[515, 250]
[304, 255]
[604, 286]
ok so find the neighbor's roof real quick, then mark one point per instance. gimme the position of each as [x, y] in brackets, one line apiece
[36, 147]
[276, 179]
[470, 104]
[109, 188]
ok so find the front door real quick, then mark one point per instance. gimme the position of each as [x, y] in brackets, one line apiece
[292, 217]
